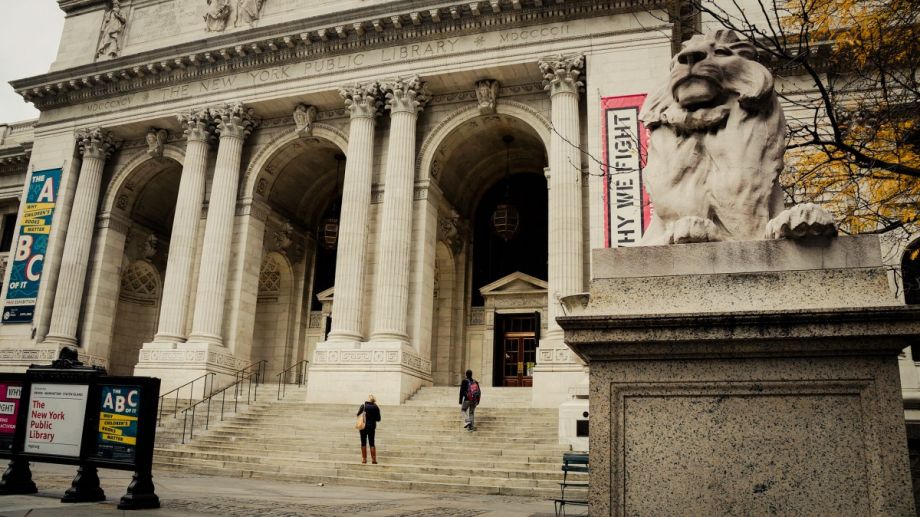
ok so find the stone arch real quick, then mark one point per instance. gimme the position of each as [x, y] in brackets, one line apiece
[273, 339]
[134, 164]
[136, 314]
[443, 130]
[446, 313]
[257, 166]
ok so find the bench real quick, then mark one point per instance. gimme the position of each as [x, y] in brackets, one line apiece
[571, 462]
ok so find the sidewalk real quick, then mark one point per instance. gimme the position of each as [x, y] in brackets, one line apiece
[182, 495]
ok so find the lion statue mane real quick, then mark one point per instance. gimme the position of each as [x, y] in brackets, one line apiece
[716, 150]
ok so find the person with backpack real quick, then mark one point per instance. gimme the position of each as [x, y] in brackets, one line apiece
[367, 426]
[470, 394]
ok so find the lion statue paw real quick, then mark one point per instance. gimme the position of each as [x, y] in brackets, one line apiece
[693, 229]
[806, 220]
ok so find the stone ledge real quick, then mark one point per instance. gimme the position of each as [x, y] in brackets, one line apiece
[712, 258]
[863, 331]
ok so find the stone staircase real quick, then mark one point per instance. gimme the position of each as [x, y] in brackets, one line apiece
[420, 445]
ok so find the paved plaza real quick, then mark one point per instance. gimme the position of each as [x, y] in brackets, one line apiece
[234, 497]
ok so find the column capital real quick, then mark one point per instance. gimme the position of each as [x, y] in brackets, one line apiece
[406, 95]
[561, 74]
[362, 100]
[95, 143]
[197, 124]
[234, 120]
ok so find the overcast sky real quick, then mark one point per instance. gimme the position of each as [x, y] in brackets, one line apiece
[30, 31]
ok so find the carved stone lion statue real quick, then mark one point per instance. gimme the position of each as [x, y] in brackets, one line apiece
[716, 150]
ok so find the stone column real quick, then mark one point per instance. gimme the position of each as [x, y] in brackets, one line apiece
[405, 99]
[234, 123]
[95, 145]
[198, 126]
[363, 102]
[566, 256]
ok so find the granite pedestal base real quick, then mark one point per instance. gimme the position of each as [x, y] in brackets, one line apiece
[179, 363]
[343, 372]
[763, 386]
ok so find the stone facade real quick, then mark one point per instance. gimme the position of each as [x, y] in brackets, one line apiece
[215, 132]
[212, 130]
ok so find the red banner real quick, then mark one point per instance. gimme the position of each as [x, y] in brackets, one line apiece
[627, 209]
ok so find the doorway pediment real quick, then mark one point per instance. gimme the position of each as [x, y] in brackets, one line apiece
[515, 284]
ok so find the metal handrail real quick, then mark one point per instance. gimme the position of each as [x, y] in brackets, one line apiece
[301, 377]
[191, 385]
[252, 394]
[259, 367]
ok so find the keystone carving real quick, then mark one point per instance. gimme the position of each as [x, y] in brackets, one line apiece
[151, 244]
[452, 230]
[486, 93]
[362, 100]
[95, 143]
[406, 95]
[303, 120]
[156, 141]
[234, 120]
[561, 74]
[113, 29]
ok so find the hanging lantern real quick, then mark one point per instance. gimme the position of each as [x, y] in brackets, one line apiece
[329, 227]
[505, 221]
[506, 218]
[329, 233]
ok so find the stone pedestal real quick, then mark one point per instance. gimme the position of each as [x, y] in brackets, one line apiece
[178, 363]
[343, 372]
[748, 378]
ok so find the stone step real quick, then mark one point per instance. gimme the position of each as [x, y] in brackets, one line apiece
[421, 445]
[402, 485]
[457, 460]
[495, 397]
[499, 450]
[324, 409]
[391, 466]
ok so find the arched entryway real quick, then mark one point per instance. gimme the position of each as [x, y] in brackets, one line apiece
[490, 169]
[132, 250]
[300, 184]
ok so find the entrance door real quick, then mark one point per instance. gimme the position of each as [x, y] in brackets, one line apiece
[516, 341]
[520, 356]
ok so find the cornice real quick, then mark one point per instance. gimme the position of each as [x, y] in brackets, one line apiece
[328, 35]
[77, 6]
[15, 159]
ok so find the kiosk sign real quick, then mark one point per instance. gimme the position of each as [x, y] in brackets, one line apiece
[55, 420]
[118, 412]
[10, 394]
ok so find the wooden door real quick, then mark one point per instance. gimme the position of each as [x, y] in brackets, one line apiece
[519, 355]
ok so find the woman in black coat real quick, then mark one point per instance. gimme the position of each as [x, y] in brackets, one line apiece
[371, 417]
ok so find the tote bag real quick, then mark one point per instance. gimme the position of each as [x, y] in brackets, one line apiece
[359, 425]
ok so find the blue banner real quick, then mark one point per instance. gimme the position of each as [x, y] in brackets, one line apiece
[29, 254]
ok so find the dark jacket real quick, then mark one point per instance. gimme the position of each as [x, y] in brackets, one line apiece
[373, 415]
[464, 387]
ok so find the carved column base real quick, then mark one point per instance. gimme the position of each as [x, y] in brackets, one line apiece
[391, 371]
[179, 363]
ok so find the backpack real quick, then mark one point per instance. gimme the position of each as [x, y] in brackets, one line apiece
[473, 393]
